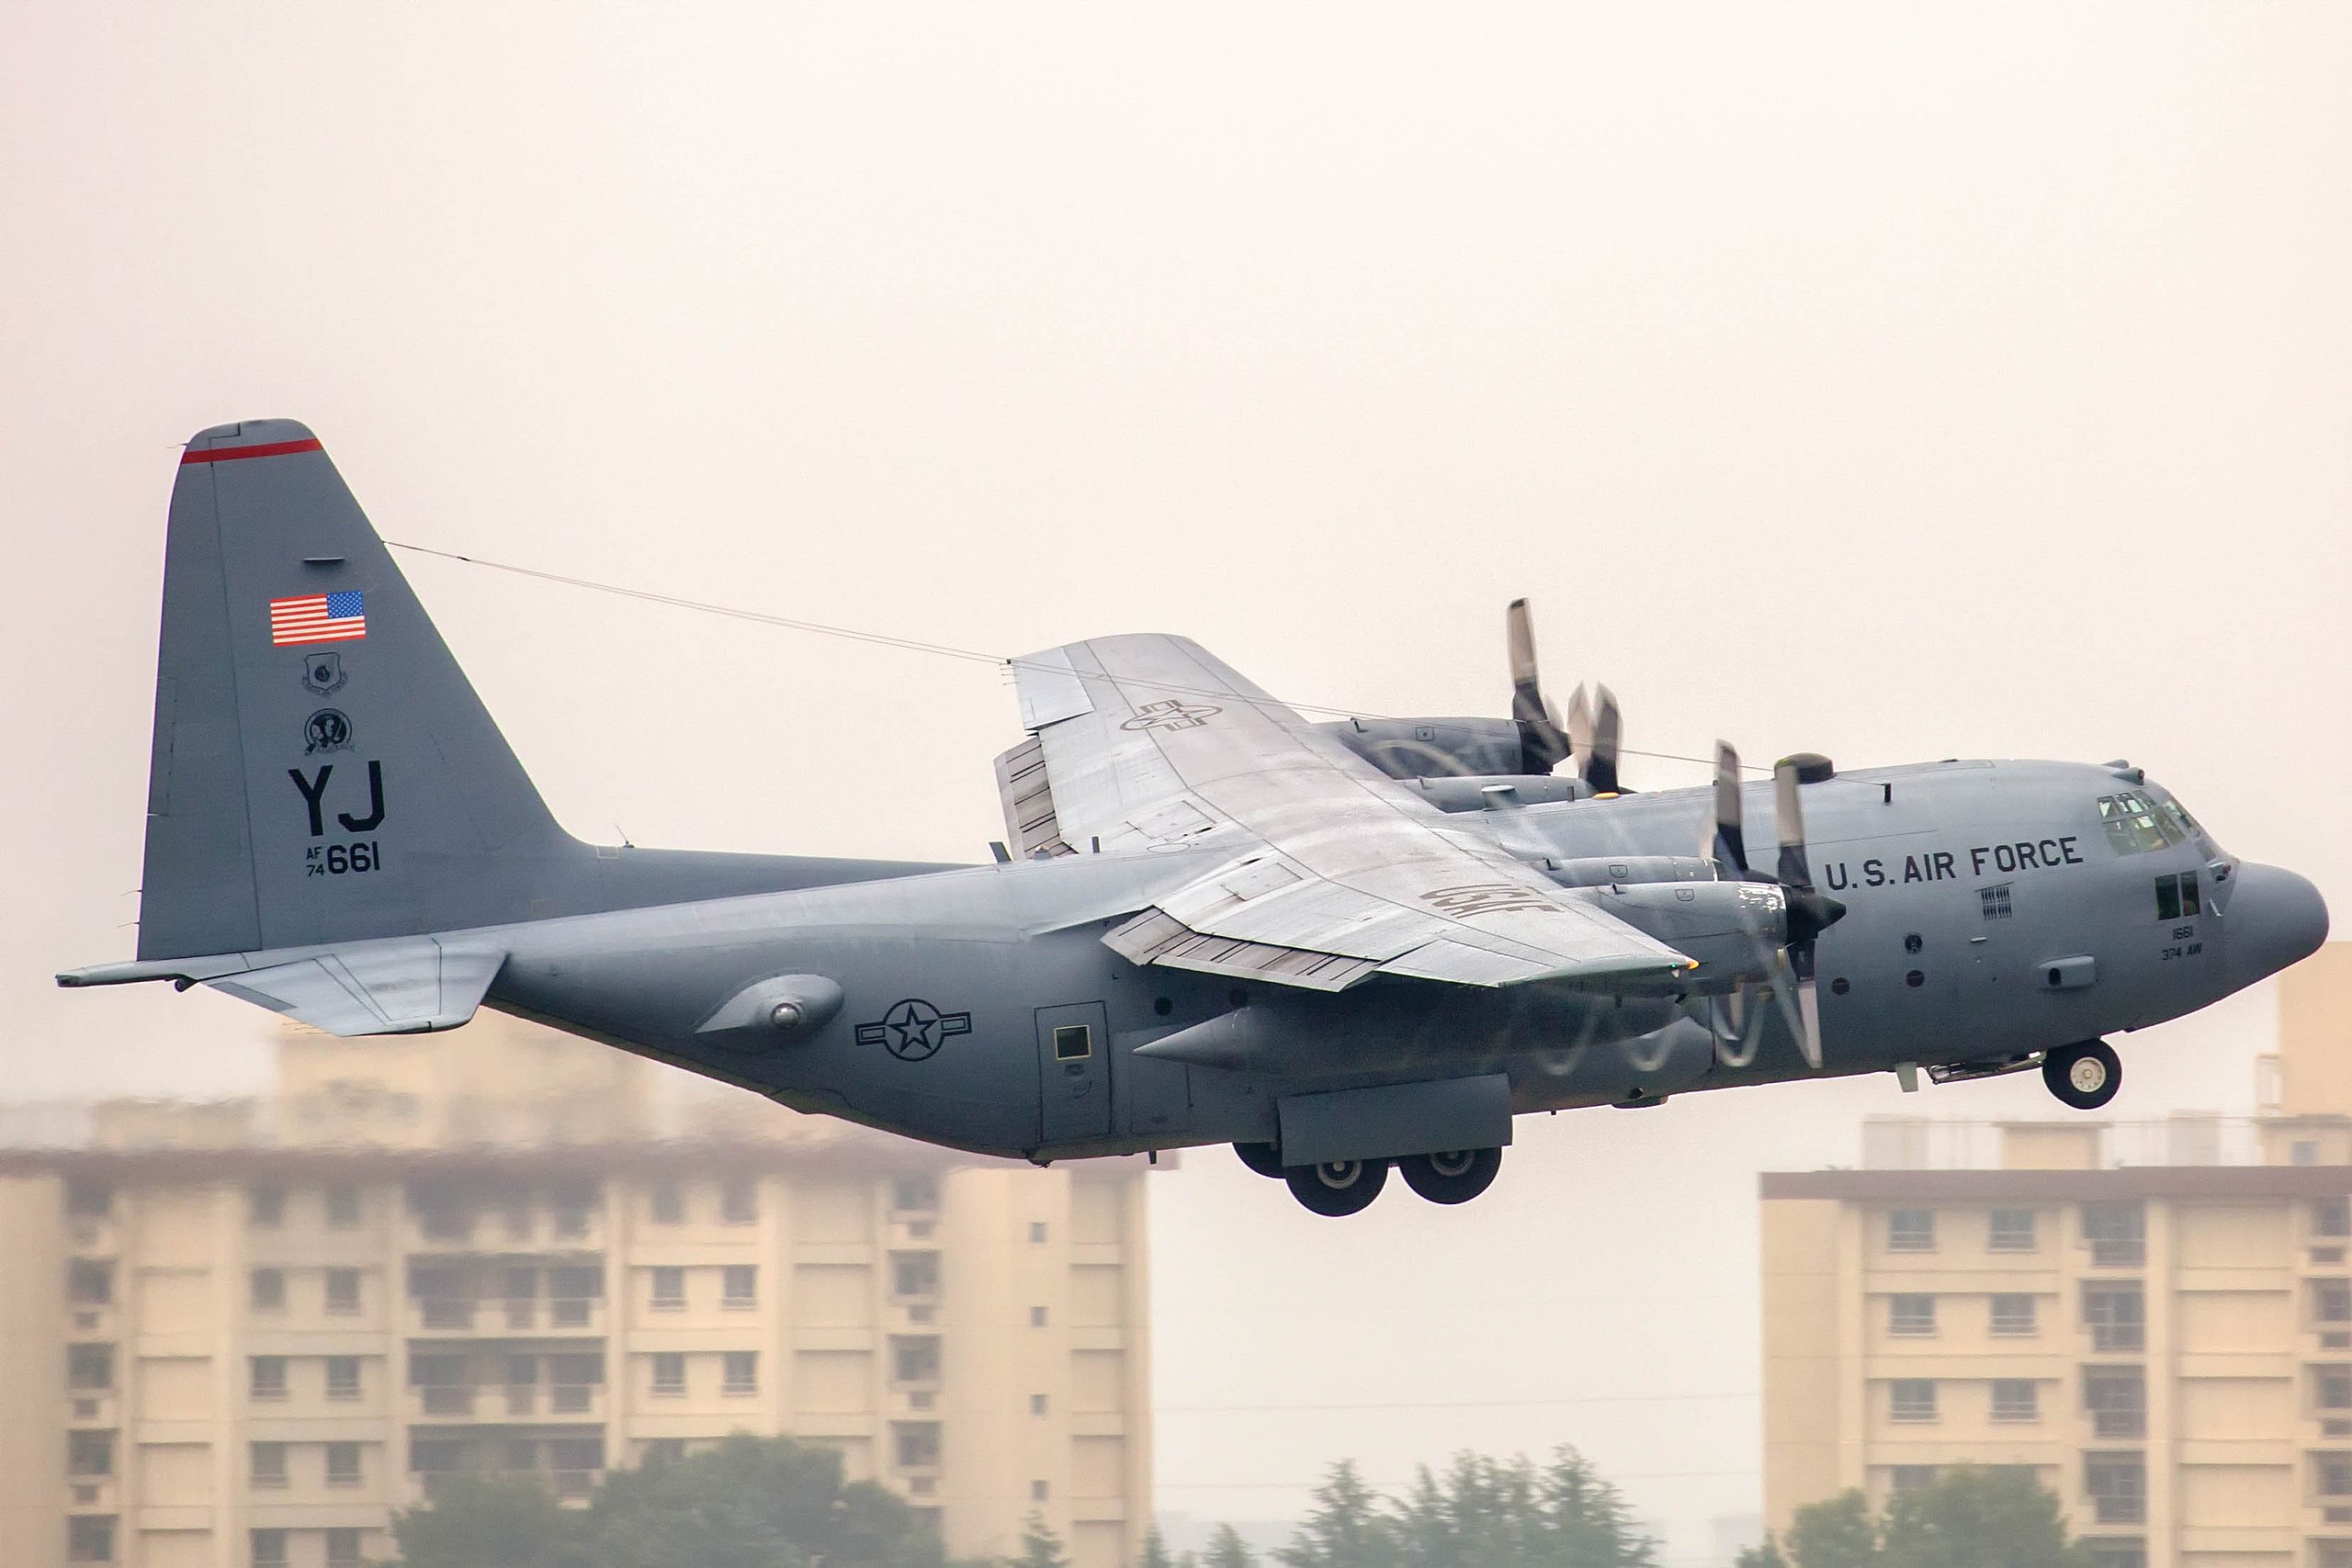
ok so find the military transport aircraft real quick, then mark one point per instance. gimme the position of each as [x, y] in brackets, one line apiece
[1339, 946]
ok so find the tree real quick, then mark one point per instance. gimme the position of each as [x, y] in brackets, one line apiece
[746, 1502]
[1765, 1554]
[1155, 1551]
[1586, 1521]
[1346, 1528]
[1040, 1547]
[1994, 1517]
[1227, 1549]
[476, 1522]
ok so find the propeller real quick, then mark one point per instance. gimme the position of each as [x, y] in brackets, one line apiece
[1806, 911]
[1543, 745]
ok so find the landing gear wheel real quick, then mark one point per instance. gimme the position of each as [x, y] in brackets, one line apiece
[1343, 1187]
[1454, 1176]
[2085, 1075]
[1264, 1158]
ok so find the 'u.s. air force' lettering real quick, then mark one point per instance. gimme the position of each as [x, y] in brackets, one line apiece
[1943, 865]
[913, 1030]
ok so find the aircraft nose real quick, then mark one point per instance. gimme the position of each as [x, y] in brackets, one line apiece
[2275, 919]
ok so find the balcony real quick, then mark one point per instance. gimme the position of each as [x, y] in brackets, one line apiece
[507, 1402]
[499, 1316]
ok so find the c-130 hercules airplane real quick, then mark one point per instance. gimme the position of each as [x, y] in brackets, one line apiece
[1338, 946]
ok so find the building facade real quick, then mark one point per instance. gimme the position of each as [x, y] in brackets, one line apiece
[245, 1334]
[2155, 1319]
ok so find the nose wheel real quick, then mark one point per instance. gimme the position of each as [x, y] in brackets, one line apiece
[2085, 1076]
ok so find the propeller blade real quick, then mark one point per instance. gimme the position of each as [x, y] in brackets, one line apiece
[1788, 813]
[1730, 847]
[1807, 1023]
[1608, 732]
[1542, 746]
[1579, 727]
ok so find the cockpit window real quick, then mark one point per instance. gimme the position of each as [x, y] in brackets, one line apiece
[2134, 826]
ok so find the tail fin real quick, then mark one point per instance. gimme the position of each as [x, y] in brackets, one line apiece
[323, 770]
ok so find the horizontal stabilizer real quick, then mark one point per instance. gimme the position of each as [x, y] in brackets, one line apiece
[399, 986]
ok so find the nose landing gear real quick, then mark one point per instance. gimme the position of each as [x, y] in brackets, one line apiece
[2085, 1076]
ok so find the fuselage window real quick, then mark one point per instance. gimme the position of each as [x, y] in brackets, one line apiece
[2176, 897]
[1073, 1042]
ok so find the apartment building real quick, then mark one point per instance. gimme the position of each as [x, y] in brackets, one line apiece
[240, 1336]
[2154, 1319]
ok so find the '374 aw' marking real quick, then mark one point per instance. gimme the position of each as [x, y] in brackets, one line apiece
[314, 792]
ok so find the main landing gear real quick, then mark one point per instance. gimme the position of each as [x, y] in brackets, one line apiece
[2085, 1075]
[1348, 1186]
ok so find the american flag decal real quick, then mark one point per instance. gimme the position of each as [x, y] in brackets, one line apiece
[317, 617]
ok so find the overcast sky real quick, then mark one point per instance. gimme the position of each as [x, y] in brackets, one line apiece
[1897, 382]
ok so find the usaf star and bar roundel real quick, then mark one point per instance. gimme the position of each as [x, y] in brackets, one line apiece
[913, 1030]
[340, 616]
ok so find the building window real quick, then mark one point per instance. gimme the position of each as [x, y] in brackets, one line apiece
[2012, 1315]
[343, 1464]
[2116, 1315]
[2331, 1476]
[669, 1373]
[2332, 1388]
[916, 1444]
[1037, 1232]
[666, 1204]
[2117, 1485]
[914, 1273]
[269, 1548]
[1036, 1317]
[89, 1283]
[2016, 1399]
[1911, 1230]
[669, 1290]
[2332, 1217]
[270, 1465]
[89, 1453]
[740, 1373]
[343, 1377]
[88, 1200]
[269, 1287]
[738, 1286]
[2011, 1230]
[89, 1368]
[1910, 1314]
[2117, 1233]
[663, 1450]
[1912, 1399]
[343, 1212]
[914, 1194]
[572, 1295]
[738, 1201]
[2117, 1399]
[342, 1548]
[573, 1199]
[89, 1538]
[2121, 1553]
[1911, 1477]
[343, 1291]
[1036, 1405]
[1039, 1491]
[266, 1377]
[265, 1205]
[914, 1360]
[2332, 1301]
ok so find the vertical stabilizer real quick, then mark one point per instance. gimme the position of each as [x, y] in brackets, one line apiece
[323, 770]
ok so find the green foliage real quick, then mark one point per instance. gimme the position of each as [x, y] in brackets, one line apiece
[1040, 1547]
[1155, 1551]
[1227, 1549]
[1482, 1513]
[747, 1503]
[1969, 1518]
[1765, 1554]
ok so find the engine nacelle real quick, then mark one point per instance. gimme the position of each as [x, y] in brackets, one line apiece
[1480, 792]
[1602, 871]
[1732, 928]
[1431, 748]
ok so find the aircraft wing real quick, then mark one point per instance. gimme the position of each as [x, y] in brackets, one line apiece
[1336, 874]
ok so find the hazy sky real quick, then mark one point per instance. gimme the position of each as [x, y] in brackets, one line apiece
[1897, 382]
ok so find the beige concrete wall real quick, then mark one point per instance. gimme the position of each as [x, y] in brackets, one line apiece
[2315, 1033]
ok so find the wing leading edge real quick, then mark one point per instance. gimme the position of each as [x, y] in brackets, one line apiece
[1336, 874]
